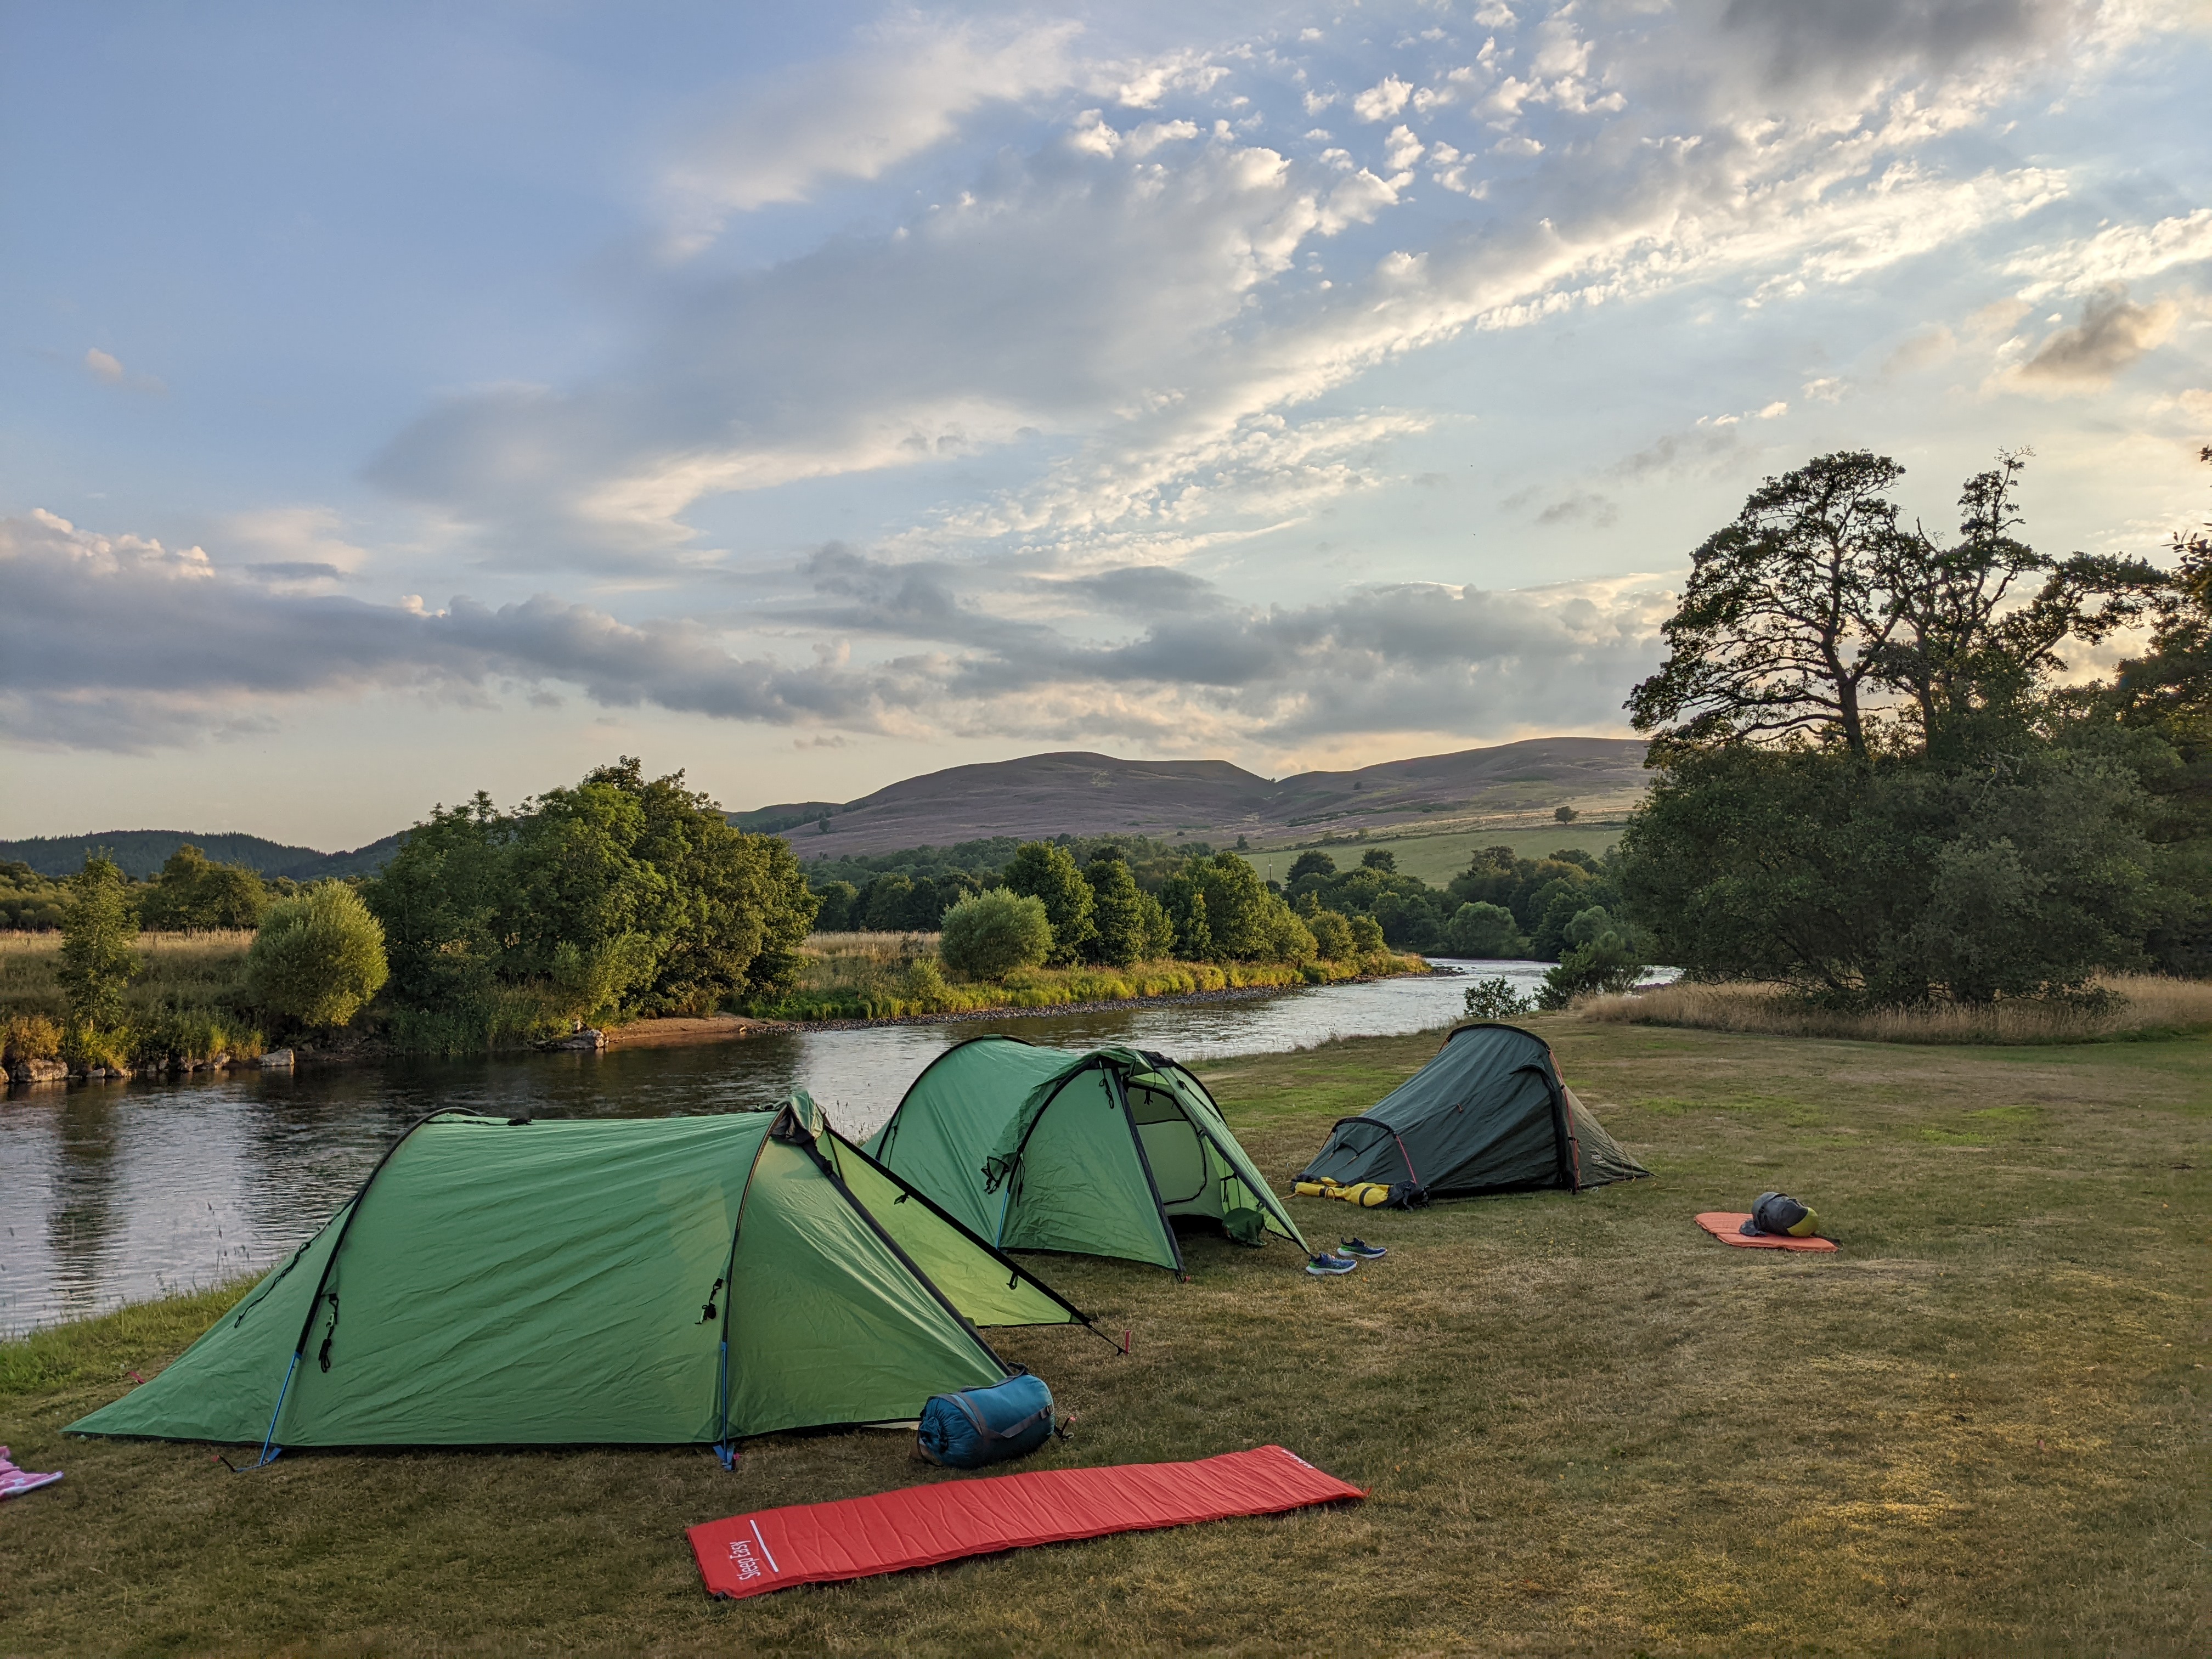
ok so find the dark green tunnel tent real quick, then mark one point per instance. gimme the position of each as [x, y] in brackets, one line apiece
[1037, 1148]
[565, 1281]
[1489, 1114]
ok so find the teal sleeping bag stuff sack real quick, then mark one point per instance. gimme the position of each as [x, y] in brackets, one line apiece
[982, 1426]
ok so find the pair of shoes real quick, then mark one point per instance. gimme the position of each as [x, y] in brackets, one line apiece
[1325, 1266]
[1362, 1248]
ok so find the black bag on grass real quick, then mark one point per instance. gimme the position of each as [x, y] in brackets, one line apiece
[1781, 1216]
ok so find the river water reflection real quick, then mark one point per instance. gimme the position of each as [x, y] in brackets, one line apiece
[115, 1193]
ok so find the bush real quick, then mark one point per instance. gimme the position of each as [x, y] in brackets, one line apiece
[991, 934]
[1496, 998]
[317, 958]
[28, 1037]
[1607, 963]
[1483, 931]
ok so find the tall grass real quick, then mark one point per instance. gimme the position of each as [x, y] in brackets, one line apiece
[2140, 1005]
[187, 1004]
[900, 975]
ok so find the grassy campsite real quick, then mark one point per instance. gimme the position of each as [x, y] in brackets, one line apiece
[1586, 1426]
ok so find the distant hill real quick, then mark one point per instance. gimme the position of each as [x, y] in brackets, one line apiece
[141, 853]
[1088, 794]
[1041, 795]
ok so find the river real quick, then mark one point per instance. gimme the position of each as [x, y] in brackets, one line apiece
[114, 1192]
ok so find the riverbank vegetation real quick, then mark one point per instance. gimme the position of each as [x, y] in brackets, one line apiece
[1587, 1427]
[903, 976]
[187, 1002]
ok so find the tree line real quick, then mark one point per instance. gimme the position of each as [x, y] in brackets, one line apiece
[1881, 773]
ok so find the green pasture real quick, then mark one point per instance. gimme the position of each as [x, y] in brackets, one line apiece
[1588, 1428]
[1435, 859]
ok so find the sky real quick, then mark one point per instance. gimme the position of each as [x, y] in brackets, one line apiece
[400, 401]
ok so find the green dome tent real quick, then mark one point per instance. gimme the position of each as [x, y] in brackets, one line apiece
[1489, 1114]
[668, 1281]
[1036, 1148]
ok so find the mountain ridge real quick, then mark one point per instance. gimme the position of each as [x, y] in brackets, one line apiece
[1065, 792]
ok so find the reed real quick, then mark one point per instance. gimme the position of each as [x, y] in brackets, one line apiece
[2140, 1005]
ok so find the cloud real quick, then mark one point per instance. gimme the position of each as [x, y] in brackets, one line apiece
[1135, 305]
[1384, 99]
[2118, 253]
[2112, 334]
[210, 651]
[107, 368]
[903, 90]
[1125, 654]
[1801, 40]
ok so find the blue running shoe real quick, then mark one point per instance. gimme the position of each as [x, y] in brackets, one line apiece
[1362, 1248]
[1325, 1265]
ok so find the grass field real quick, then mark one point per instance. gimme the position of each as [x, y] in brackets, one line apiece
[1980, 1429]
[1437, 859]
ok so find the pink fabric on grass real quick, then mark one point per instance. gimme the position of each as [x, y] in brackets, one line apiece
[14, 1482]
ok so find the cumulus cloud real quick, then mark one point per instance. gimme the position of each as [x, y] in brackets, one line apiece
[1132, 652]
[1384, 99]
[2112, 334]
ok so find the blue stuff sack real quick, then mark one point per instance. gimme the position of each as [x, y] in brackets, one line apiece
[979, 1426]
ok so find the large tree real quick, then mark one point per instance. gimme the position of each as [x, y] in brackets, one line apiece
[1869, 782]
[1819, 614]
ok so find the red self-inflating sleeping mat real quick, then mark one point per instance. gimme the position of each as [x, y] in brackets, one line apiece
[922, 1526]
[1727, 1225]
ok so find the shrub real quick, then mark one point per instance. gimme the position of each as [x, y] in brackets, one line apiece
[1608, 962]
[989, 935]
[1496, 998]
[1483, 931]
[28, 1037]
[317, 958]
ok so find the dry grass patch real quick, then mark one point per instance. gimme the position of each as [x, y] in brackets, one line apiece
[2146, 1004]
[1589, 1428]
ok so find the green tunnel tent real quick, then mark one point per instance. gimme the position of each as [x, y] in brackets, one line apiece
[648, 1281]
[1037, 1149]
[1489, 1114]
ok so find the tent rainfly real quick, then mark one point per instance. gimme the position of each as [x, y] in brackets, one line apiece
[1489, 1114]
[1037, 1148]
[649, 1281]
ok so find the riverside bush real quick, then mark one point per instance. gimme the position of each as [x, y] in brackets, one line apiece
[990, 935]
[318, 958]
